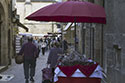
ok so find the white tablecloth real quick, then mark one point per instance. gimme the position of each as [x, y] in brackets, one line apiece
[97, 73]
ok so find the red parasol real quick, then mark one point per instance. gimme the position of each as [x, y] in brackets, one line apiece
[70, 11]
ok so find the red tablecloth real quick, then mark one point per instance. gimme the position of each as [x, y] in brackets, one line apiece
[78, 80]
[86, 70]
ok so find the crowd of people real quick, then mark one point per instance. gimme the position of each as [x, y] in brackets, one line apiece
[31, 47]
[45, 43]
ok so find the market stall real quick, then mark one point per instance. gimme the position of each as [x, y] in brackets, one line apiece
[78, 71]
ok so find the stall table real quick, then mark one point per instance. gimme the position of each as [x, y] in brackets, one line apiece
[78, 74]
[78, 80]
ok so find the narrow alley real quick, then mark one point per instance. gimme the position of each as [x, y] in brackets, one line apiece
[91, 34]
[17, 70]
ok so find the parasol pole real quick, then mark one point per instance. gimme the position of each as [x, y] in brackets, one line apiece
[62, 37]
[75, 32]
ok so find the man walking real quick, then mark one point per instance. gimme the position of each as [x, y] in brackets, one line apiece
[30, 52]
[65, 45]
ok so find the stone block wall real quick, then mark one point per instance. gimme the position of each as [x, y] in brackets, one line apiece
[5, 33]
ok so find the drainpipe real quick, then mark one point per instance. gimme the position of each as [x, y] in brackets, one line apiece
[102, 39]
[93, 43]
[83, 38]
[90, 42]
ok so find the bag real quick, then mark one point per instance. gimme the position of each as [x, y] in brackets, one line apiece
[47, 75]
[19, 59]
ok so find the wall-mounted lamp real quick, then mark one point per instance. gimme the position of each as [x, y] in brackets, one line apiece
[116, 46]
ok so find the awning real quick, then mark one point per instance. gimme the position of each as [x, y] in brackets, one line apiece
[67, 26]
[23, 26]
[54, 33]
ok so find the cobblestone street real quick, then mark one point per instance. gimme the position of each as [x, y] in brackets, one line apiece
[17, 70]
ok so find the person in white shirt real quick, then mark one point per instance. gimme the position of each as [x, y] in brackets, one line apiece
[43, 47]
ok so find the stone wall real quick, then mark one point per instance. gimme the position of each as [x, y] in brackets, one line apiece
[5, 27]
[114, 39]
[109, 40]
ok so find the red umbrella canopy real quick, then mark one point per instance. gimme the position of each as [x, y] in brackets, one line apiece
[70, 11]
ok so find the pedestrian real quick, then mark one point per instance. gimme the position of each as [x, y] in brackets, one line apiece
[23, 40]
[30, 52]
[43, 46]
[65, 45]
[54, 55]
[49, 40]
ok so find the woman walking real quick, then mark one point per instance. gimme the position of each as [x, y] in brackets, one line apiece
[54, 55]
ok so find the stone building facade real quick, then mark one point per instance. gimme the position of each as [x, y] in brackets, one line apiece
[105, 43]
[6, 33]
[27, 7]
[114, 38]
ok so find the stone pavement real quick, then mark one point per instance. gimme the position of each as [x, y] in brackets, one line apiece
[17, 70]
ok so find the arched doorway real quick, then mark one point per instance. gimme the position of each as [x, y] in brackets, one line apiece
[2, 16]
